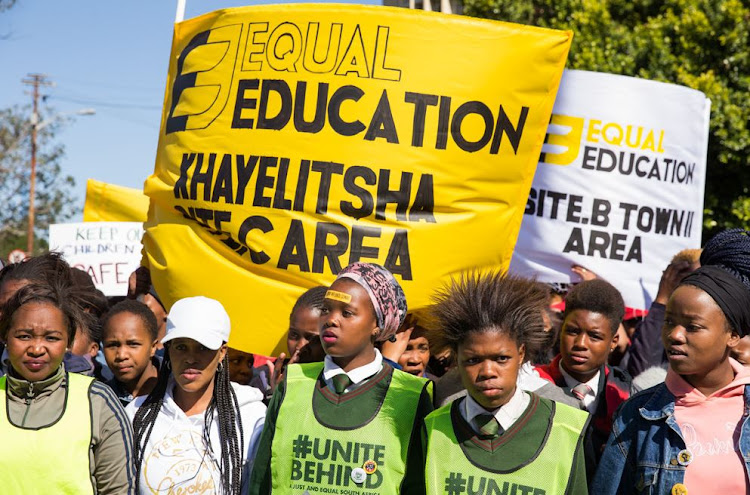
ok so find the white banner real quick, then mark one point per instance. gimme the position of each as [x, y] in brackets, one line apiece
[619, 187]
[108, 251]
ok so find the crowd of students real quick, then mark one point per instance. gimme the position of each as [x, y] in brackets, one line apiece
[502, 386]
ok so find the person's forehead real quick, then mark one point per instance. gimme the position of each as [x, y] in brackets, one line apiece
[487, 339]
[350, 287]
[588, 318]
[153, 304]
[185, 341]
[694, 300]
[40, 314]
[125, 324]
[347, 284]
[238, 353]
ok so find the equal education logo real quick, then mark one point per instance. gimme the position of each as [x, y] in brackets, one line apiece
[204, 75]
[614, 147]
[204, 85]
[611, 227]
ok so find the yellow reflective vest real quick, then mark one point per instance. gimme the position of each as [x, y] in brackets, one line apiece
[309, 456]
[53, 459]
[448, 470]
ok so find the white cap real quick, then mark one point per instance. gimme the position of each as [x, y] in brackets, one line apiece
[199, 318]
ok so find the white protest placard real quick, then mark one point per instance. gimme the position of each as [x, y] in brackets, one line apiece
[619, 187]
[108, 251]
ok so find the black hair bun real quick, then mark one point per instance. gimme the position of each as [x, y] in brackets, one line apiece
[730, 250]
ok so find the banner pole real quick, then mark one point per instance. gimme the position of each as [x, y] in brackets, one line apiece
[180, 14]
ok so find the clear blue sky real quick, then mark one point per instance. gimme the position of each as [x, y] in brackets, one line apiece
[107, 55]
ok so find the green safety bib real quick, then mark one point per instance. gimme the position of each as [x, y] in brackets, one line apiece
[54, 458]
[308, 456]
[448, 471]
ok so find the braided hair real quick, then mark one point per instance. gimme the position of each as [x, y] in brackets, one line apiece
[310, 299]
[730, 250]
[224, 406]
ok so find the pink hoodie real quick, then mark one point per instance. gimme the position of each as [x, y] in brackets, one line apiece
[711, 427]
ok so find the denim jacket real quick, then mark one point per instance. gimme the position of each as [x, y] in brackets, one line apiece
[641, 456]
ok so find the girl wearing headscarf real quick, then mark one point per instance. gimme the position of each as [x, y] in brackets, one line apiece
[351, 422]
[691, 434]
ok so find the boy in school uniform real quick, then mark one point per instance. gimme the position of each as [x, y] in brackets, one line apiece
[593, 312]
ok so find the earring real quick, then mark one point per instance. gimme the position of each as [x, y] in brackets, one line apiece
[220, 367]
[168, 364]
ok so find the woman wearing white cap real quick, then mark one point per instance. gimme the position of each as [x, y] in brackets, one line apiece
[196, 432]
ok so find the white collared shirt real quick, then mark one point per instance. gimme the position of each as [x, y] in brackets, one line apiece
[590, 400]
[506, 414]
[358, 376]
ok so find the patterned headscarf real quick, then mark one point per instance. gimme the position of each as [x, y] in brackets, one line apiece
[386, 294]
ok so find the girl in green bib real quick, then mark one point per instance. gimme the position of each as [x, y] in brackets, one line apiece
[499, 439]
[352, 423]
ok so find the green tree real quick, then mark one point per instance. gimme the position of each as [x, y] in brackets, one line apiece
[53, 199]
[702, 44]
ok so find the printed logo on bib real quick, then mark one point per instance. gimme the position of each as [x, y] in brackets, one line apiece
[330, 466]
[179, 465]
[458, 484]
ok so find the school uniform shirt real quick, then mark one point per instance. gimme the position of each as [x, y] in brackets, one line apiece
[373, 379]
[358, 376]
[526, 420]
[506, 415]
[591, 399]
[176, 460]
[613, 388]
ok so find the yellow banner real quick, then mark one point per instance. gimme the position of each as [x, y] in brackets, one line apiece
[111, 203]
[297, 139]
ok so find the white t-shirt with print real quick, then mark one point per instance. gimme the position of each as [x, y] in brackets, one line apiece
[176, 459]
